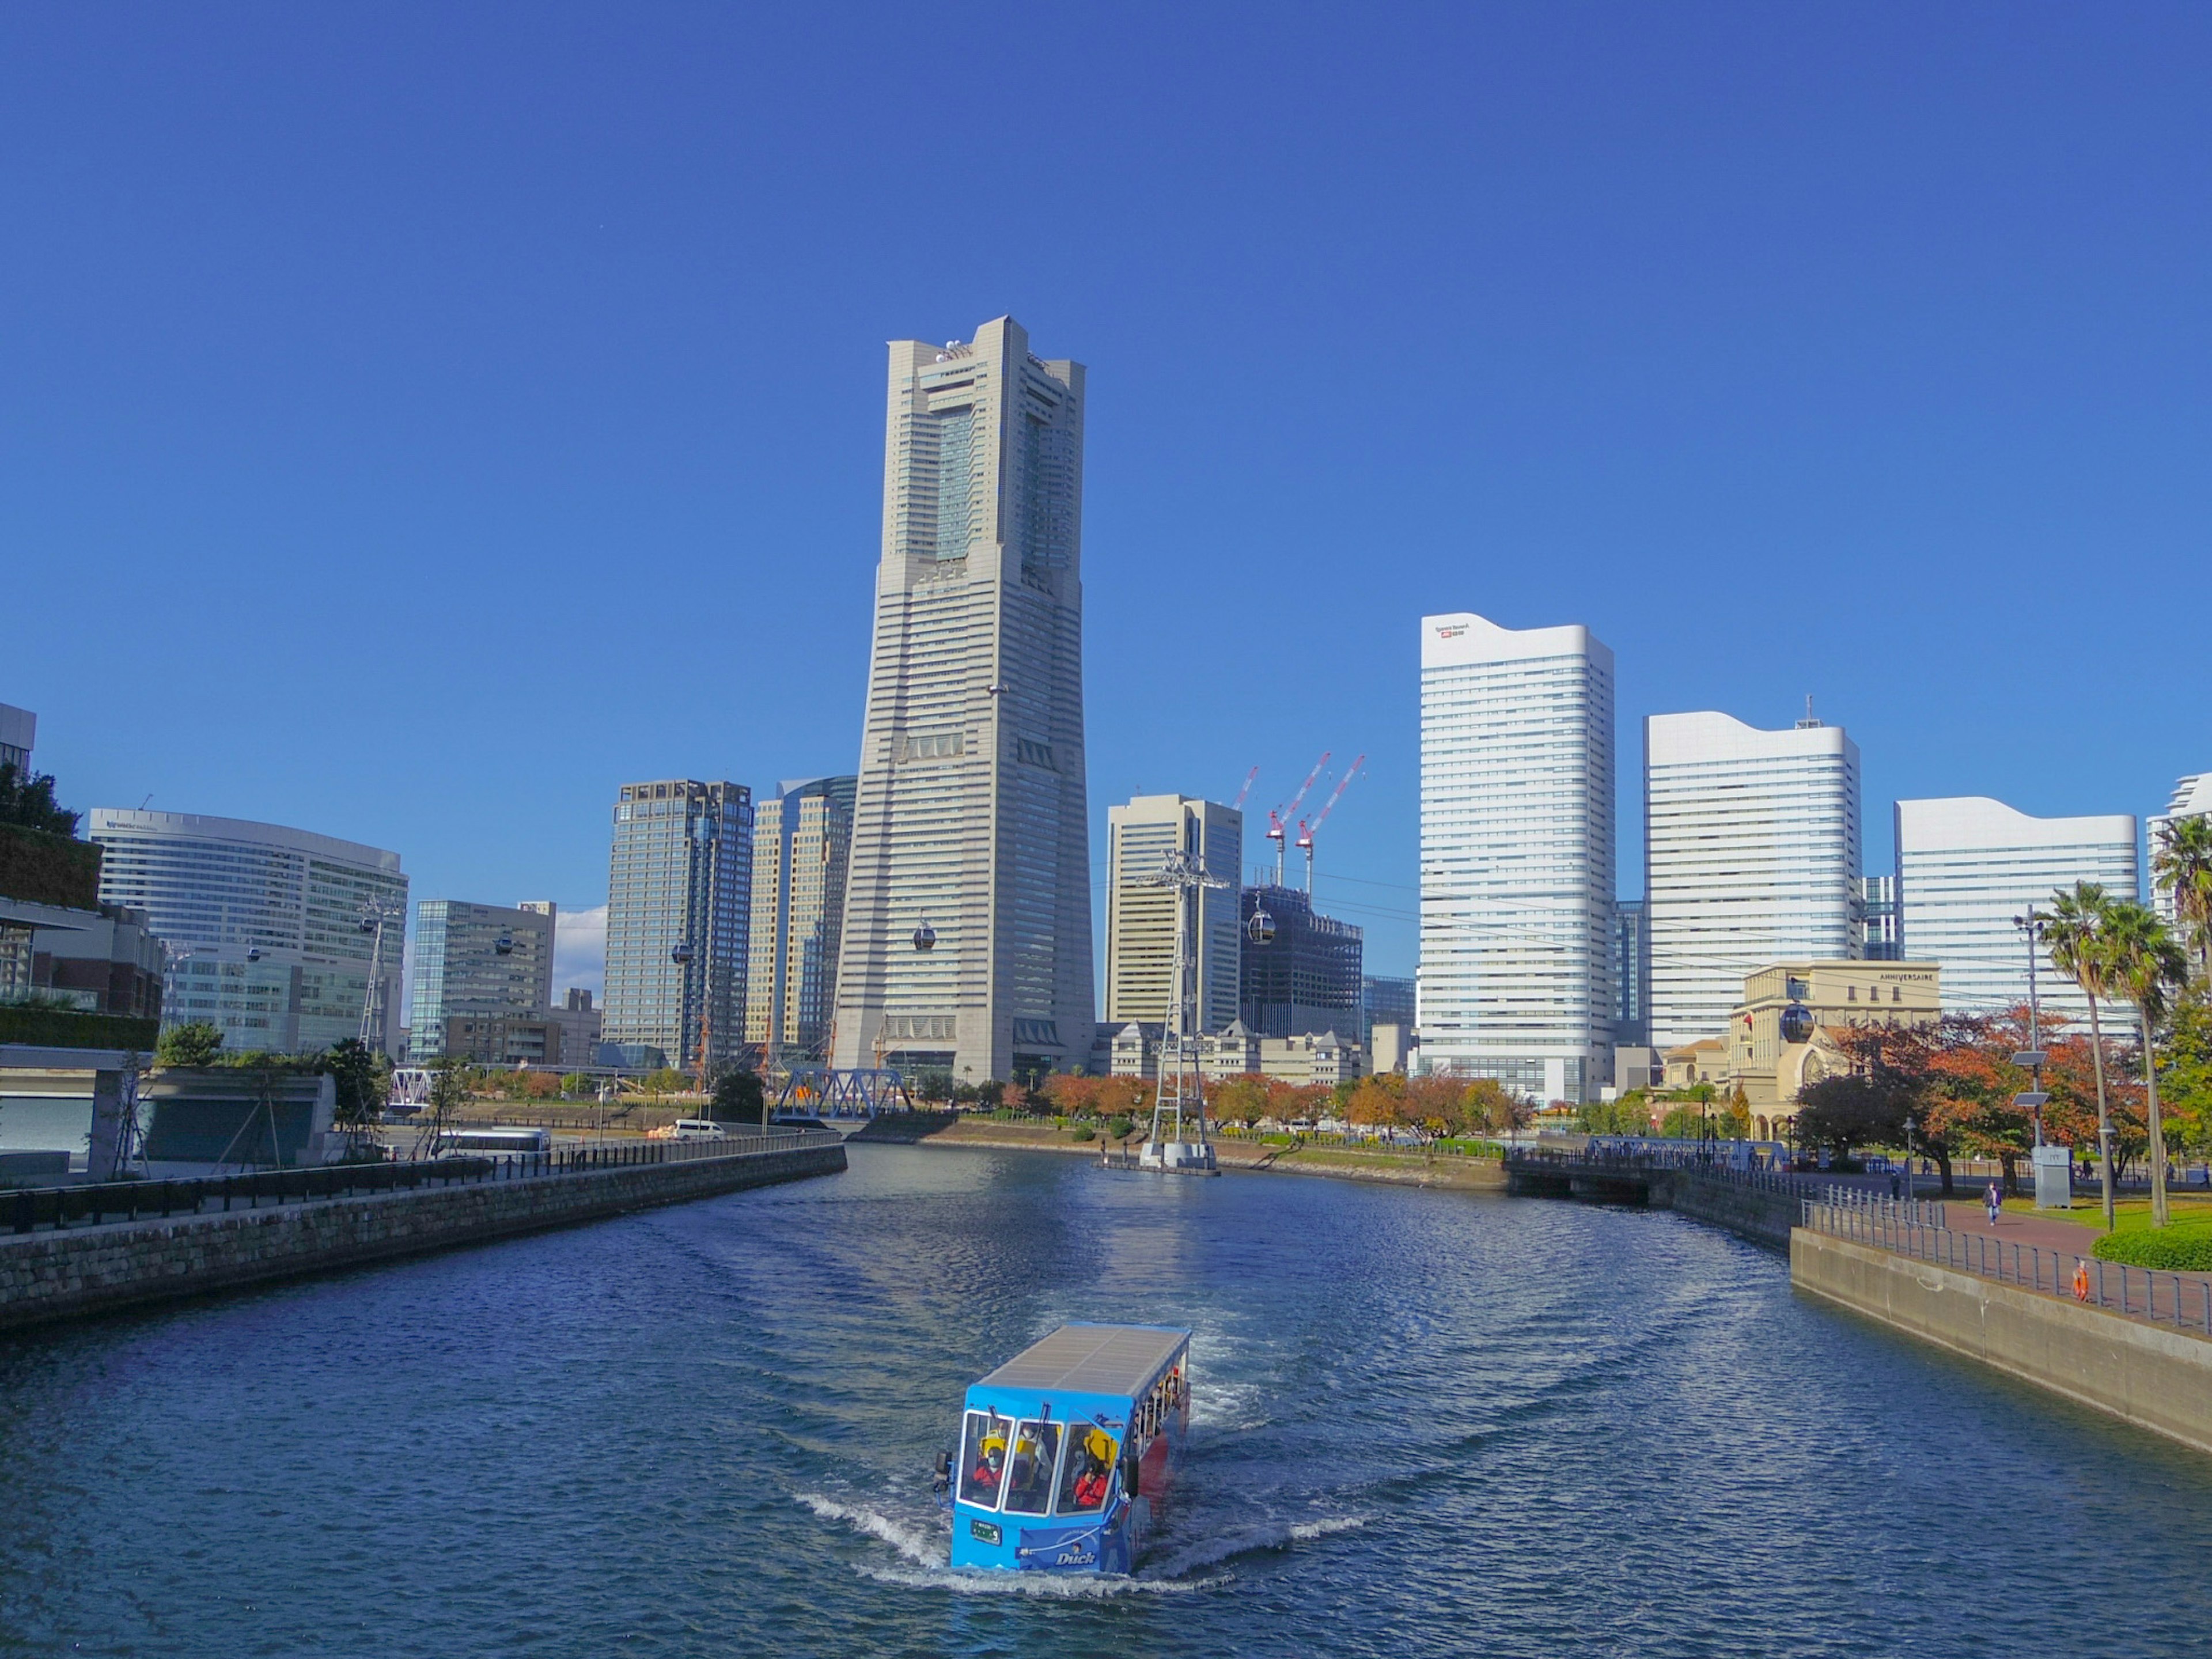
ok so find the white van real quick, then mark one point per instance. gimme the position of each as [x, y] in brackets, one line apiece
[698, 1128]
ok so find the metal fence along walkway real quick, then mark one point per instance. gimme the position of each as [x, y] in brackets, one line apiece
[2183, 1300]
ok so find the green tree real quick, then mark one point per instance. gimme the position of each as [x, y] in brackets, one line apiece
[26, 799]
[990, 1094]
[740, 1098]
[575, 1082]
[195, 1043]
[358, 1073]
[1852, 1110]
[2081, 950]
[2147, 965]
[2181, 864]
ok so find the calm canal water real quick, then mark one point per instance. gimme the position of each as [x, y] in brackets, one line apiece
[1426, 1423]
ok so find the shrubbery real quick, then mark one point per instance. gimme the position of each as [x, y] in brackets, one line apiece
[2178, 1249]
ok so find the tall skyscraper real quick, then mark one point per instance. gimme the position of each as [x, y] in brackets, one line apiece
[1631, 974]
[1517, 855]
[679, 903]
[477, 959]
[2192, 798]
[802, 844]
[271, 931]
[1878, 919]
[1968, 865]
[967, 938]
[1141, 921]
[1751, 856]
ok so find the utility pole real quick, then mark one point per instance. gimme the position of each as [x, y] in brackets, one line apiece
[2034, 1098]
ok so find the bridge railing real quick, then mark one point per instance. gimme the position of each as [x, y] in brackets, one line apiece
[1553, 1160]
[2183, 1300]
[88, 1204]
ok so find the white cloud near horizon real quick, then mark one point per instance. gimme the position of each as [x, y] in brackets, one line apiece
[579, 951]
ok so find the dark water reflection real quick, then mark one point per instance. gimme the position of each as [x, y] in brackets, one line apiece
[1427, 1422]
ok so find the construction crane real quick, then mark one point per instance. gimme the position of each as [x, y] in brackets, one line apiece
[1246, 790]
[1279, 815]
[1306, 830]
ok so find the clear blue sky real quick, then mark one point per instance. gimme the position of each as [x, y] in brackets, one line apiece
[416, 420]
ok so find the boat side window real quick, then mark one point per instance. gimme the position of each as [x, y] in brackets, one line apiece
[1029, 1477]
[1089, 1470]
[983, 1458]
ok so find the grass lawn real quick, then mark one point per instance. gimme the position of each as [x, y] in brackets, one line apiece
[2130, 1214]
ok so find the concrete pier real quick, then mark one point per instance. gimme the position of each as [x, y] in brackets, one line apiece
[59, 1275]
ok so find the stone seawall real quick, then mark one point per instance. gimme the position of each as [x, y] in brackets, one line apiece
[1753, 1213]
[58, 1275]
[2156, 1378]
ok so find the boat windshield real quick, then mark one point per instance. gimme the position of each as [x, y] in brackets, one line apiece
[983, 1458]
[1037, 1453]
[1089, 1463]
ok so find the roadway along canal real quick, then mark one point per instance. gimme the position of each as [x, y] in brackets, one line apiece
[1428, 1422]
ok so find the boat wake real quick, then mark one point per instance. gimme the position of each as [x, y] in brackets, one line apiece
[923, 1550]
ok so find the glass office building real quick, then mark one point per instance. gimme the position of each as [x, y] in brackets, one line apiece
[1517, 860]
[679, 908]
[1752, 856]
[272, 933]
[802, 847]
[1968, 868]
[478, 960]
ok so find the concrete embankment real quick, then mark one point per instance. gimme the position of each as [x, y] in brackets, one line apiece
[2155, 1377]
[58, 1275]
[1753, 1213]
[1233, 1154]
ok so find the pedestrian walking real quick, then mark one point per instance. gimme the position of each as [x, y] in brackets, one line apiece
[1994, 1201]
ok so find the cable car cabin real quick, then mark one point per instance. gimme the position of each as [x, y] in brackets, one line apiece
[1066, 1450]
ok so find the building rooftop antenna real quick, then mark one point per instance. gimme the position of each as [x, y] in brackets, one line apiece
[1809, 723]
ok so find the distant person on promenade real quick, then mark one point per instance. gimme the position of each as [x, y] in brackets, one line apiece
[1994, 1201]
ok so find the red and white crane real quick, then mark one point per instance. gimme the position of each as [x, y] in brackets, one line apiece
[1306, 830]
[1279, 815]
[1246, 790]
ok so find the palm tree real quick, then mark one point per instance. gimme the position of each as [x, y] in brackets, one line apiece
[2076, 936]
[2181, 864]
[2146, 964]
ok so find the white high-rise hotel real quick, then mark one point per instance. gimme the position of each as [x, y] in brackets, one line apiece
[1752, 856]
[967, 933]
[1968, 867]
[1517, 855]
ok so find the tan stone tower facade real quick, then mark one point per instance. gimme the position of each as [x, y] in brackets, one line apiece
[967, 935]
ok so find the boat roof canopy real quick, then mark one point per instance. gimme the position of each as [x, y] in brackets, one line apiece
[1112, 1359]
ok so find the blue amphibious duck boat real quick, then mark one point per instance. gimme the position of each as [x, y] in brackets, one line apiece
[1067, 1450]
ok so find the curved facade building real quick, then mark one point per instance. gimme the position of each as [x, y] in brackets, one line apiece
[1967, 865]
[264, 925]
[1751, 857]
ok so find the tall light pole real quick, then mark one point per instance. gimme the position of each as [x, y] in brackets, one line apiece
[2033, 1099]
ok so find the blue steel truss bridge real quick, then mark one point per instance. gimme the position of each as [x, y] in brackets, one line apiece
[824, 1092]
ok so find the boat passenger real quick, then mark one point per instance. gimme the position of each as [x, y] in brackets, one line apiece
[992, 1461]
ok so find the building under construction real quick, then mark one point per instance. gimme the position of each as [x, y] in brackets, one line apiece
[1301, 970]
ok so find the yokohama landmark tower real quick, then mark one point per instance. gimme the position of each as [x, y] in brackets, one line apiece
[967, 938]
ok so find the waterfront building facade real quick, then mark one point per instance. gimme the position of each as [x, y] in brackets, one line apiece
[581, 1026]
[1969, 868]
[679, 905]
[19, 735]
[271, 931]
[967, 935]
[2192, 798]
[1752, 855]
[1299, 970]
[1792, 1020]
[1518, 859]
[1140, 919]
[479, 960]
[802, 847]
